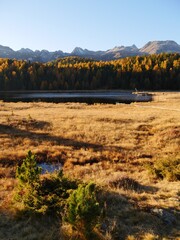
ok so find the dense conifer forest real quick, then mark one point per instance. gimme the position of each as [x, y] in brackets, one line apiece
[153, 72]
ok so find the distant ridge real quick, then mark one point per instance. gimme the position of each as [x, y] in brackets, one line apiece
[160, 46]
[117, 52]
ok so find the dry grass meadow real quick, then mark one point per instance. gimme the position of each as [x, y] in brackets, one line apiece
[103, 143]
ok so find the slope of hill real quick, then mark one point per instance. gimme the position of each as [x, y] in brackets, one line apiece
[160, 46]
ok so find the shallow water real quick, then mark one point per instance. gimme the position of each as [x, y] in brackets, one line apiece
[49, 168]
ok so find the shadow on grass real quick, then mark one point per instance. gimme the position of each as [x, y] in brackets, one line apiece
[32, 124]
[13, 131]
[123, 219]
[127, 183]
[14, 227]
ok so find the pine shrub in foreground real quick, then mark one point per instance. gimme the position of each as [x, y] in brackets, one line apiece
[47, 195]
[28, 176]
[83, 209]
[55, 194]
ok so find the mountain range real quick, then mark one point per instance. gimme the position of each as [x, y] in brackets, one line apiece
[151, 47]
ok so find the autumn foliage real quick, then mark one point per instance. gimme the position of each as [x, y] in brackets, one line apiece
[153, 72]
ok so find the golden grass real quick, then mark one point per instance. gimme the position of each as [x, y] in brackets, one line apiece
[100, 143]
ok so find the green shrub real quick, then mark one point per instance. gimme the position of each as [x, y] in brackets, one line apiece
[28, 175]
[83, 210]
[41, 196]
[54, 191]
[166, 168]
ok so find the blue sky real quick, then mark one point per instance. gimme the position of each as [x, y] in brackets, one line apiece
[91, 24]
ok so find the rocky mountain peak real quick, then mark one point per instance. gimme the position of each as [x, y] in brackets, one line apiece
[153, 47]
[78, 51]
[115, 53]
[25, 50]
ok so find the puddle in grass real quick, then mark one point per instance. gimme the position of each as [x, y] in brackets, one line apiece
[50, 168]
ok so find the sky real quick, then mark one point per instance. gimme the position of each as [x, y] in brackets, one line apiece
[92, 24]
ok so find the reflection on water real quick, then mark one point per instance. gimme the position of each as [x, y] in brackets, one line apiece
[49, 168]
[89, 97]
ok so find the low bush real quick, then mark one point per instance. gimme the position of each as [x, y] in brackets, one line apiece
[83, 209]
[166, 169]
[28, 176]
[41, 196]
[126, 183]
[54, 192]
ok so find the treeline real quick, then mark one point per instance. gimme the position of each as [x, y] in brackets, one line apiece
[154, 72]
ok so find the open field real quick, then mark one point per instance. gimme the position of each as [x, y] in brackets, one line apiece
[103, 143]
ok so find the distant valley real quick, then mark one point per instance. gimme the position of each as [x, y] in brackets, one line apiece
[117, 52]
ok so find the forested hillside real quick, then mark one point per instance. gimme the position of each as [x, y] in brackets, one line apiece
[154, 72]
